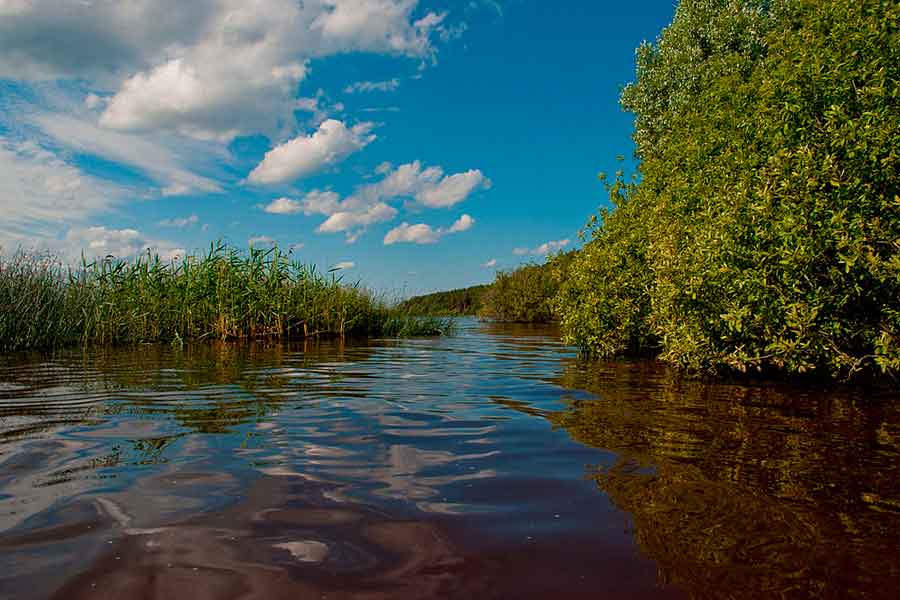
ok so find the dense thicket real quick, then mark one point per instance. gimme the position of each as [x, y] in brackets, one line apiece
[525, 294]
[225, 294]
[763, 228]
[460, 302]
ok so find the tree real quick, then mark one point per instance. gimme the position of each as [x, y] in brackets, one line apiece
[763, 230]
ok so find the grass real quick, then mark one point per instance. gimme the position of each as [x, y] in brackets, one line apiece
[225, 294]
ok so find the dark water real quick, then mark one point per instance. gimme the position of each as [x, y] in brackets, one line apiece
[492, 464]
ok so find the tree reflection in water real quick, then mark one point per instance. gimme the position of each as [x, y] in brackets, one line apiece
[748, 491]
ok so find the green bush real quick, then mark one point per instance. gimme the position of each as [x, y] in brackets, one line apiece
[525, 294]
[763, 230]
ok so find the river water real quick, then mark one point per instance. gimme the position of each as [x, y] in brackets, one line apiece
[489, 464]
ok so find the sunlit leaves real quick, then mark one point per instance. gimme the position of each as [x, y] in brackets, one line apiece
[761, 233]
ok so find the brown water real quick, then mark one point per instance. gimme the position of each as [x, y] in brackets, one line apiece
[492, 464]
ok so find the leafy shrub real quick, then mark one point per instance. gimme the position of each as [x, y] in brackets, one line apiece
[763, 230]
[525, 294]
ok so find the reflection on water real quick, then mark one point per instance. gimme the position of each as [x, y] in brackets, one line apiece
[748, 492]
[492, 464]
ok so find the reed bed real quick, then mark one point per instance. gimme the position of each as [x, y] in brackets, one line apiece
[224, 294]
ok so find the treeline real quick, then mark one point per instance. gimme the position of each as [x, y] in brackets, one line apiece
[762, 230]
[225, 294]
[521, 295]
[458, 303]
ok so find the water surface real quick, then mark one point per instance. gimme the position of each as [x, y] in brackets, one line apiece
[491, 464]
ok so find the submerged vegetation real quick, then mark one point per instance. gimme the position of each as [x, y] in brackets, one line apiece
[224, 294]
[762, 231]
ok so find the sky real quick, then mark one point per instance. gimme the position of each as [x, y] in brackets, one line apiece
[414, 145]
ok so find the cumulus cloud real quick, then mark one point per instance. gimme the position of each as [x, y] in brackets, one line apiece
[353, 223]
[464, 223]
[412, 234]
[180, 222]
[490, 264]
[372, 86]
[305, 155]
[261, 240]
[203, 103]
[97, 241]
[207, 68]
[453, 189]
[283, 206]
[421, 233]
[162, 85]
[544, 249]
[369, 204]
[341, 266]
[428, 186]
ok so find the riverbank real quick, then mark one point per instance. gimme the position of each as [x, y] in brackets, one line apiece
[223, 294]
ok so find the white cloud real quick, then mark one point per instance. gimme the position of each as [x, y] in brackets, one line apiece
[93, 101]
[355, 222]
[283, 206]
[153, 155]
[319, 106]
[453, 189]
[204, 101]
[490, 264]
[421, 233]
[341, 266]
[206, 68]
[40, 194]
[180, 222]
[464, 223]
[321, 203]
[544, 249]
[413, 234]
[368, 205]
[261, 240]
[163, 84]
[548, 247]
[380, 25]
[428, 186]
[372, 86]
[98, 241]
[305, 155]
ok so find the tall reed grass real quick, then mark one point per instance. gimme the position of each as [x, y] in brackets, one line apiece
[223, 294]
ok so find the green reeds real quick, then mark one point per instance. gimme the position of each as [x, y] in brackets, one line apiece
[224, 294]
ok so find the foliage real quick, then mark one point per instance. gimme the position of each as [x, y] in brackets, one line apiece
[746, 491]
[225, 294]
[460, 302]
[763, 228]
[525, 294]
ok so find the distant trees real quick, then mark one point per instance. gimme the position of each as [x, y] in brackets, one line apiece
[522, 295]
[762, 230]
[460, 302]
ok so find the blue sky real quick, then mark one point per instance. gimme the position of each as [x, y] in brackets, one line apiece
[420, 145]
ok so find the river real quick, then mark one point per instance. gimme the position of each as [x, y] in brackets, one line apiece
[489, 464]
